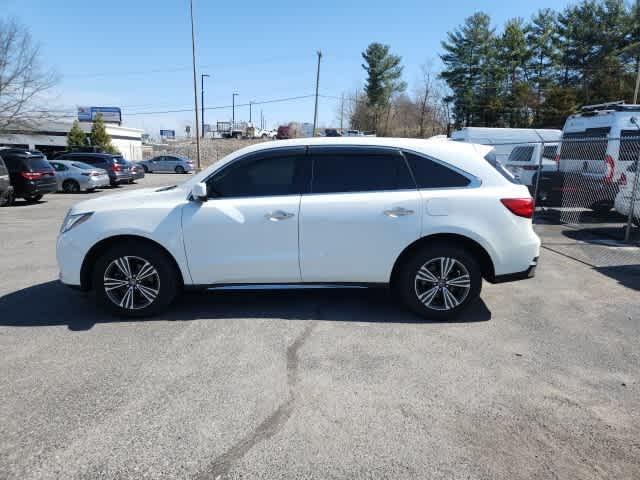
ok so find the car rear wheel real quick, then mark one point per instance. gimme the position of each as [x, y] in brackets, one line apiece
[601, 208]
[70, 186]
[145, 168]
[439, 281]
[180, 169]
[135, 280]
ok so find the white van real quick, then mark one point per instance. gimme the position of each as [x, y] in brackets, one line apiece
[598, 145]
[504, 140]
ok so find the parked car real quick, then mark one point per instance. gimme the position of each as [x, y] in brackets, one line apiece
[285, 132]
[524, 161]
[625, 195]
[332, 132]
[31, 174]
[6, 189]
[168, 163]
[115, 165]
[73, 177]
[598, 145]
[430, 219]
[137, 170]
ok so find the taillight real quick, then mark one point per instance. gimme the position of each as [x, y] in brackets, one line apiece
[115, 167]
[32, 175]
[558, 160]
[522, 207]
[608, 177]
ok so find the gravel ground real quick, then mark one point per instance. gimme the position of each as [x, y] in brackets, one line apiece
[538, 380]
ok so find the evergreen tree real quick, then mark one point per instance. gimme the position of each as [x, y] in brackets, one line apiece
[384, 72]
[99, 136]
[514, 56]
[76, 137]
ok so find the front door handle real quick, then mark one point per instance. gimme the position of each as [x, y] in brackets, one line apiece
[278, 215]
[398, 212]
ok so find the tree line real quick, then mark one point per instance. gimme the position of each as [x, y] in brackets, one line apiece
[530, 73]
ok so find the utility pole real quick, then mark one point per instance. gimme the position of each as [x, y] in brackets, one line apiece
[315, 111]
[250, 111]
[635, 93]
[261, 120]
[233, 110]
[202, 99]
[341, 111]
[195, 87]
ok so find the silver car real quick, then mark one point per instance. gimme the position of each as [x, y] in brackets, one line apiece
[74, 177]
[167, 163]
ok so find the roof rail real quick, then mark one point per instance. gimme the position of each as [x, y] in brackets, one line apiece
[618, 105]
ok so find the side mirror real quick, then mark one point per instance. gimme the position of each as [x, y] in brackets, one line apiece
[199, 192]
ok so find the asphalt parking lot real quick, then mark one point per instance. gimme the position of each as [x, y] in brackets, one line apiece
[538, 380]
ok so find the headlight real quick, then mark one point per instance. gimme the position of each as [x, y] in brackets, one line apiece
[71, 221]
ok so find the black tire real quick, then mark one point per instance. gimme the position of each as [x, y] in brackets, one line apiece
[6, 199]
[179, 169]
[601, 208]
[166, 285]
[70, 186]
[33, 198]
[145, 168]
[408, 286]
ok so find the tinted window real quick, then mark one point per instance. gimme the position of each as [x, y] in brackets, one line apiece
[430, 174]
[82, 166]
[359, 172]
[588, 145]
[58, 167]
[259, 176]
[550, 152]
[120, 160]
[629, 145]
[521, 154]
[37, 163]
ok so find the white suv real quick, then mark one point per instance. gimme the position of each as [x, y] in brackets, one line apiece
[428, 218]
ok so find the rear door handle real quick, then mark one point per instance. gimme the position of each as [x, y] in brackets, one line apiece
[278, 215]
[398, 212]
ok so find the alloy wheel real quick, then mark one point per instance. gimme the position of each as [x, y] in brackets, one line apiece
[442, 283]
[131, 282]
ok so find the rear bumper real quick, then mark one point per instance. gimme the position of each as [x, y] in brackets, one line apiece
[35, 188]
[514, 277]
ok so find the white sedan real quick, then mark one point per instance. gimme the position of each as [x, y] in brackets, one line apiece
[73, 177]
[429, 219]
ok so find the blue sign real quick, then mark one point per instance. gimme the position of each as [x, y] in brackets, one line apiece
[109, 114]
[168, 133]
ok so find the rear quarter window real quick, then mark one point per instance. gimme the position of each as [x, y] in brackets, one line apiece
[430, 174]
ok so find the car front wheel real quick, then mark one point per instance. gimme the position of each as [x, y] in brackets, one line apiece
[439, 281]
[135, 280]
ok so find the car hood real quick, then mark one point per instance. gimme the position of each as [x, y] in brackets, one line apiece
[131, 199]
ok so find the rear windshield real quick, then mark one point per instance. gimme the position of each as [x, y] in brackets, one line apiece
[550, 152]
[37, 163]
[120, 160]
[493, 161]
[588, 145]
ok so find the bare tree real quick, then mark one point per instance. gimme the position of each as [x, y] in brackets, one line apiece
[22, 78]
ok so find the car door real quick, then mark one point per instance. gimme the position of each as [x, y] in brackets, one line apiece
[247, 231]
[61, 172]
[363, 210]
[171, 163]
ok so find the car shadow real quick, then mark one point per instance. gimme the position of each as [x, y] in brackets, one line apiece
[51, 303]
[626, 275]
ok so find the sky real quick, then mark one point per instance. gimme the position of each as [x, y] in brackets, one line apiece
[136, 54]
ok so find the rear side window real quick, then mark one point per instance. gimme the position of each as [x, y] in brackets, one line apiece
[344, 172]
[521, 154]
[430, 174]
[549, 152]
[82, 166]
[629, 145]
[120, 160]
[588, 145]
[58, 167]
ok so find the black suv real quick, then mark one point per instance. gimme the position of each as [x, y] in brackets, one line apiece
[31, 174]
[116, 166]
[6, 190]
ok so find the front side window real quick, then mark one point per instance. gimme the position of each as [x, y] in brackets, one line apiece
[344, 172]
[430, 174]
[259, 176]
